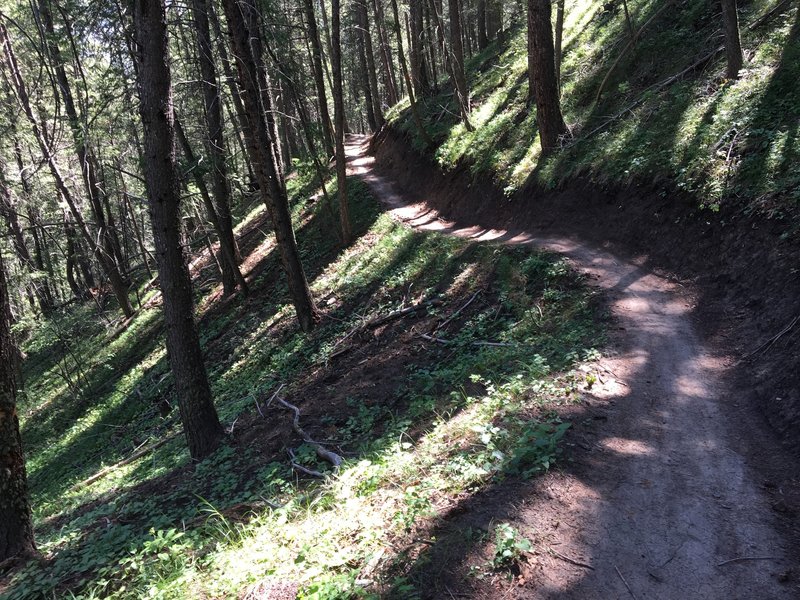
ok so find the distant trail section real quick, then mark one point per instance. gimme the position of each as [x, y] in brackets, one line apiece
[662, 506]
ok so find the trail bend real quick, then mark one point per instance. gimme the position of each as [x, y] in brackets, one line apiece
[663, 500]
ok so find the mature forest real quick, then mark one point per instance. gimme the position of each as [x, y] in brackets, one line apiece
[291, 302]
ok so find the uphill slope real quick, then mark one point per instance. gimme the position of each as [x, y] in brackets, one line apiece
[661, 500]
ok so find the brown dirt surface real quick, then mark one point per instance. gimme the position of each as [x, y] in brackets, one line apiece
[676, 486]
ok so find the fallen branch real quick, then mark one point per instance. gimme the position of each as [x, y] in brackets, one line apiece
[773, 12]
[631, 43]
[745, 558]
[771, 341]
[378, 321]
[298, 467]
[455, 314]
[322, 452]
[135, 456]
[438, 340]
[653, 88]
[571, 561]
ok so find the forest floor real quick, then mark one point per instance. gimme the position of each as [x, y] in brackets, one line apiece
[660, 498]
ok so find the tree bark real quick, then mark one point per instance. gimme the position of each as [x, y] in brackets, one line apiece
[16, 526]
[407, 77]
[319, 75]
[483, 40]
[457, 62]
[419, 71]
[733, 44]
[390, 79]
[199, 417]
[260, 147]
[372, 72]
[222, 221]
[338, 115]
[359, 10]
[229, 264]
[542, 75]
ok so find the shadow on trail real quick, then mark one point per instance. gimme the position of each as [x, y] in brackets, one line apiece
[659, 491]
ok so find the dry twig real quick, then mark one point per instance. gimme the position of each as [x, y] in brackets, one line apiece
[745, 558]
[630, 591]
[571, 561]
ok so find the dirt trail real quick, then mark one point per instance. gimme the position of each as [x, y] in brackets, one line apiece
[660, 498]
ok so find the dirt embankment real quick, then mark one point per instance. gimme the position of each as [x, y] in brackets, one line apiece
[744, 277]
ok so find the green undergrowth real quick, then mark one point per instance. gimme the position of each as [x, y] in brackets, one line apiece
[718, 140]
[464, 413]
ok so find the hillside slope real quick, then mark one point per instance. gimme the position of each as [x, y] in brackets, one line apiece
[673, 163]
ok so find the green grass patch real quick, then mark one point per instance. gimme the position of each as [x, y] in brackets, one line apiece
[445, 419]
[721, 141]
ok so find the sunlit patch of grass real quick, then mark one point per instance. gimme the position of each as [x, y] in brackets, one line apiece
[107, 539]
[720, 141]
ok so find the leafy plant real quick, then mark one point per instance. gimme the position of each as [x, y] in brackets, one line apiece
[536, 449]
[510, 546]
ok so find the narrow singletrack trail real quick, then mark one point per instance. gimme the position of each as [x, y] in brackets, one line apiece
[661, 505]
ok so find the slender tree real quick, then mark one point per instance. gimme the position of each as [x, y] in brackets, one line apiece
[199, 417]
[219, 211]
[261, 149]
[542, 75]
[733, 44]
[16, 528]
[407, 76]
[338, 112]
[319, 77]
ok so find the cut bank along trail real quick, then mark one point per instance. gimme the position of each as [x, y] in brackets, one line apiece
[662, 506]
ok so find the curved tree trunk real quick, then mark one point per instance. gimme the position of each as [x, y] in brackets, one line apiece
[199, 417]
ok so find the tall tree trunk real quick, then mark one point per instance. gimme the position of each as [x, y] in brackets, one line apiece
[16, 526]
[419, 71]
[229, 264]
[407, 77]
[101, 252]
[338, 115]
[319, 76]
[359, 11]
[260, 147]
[201, 425]
[483, 40]
[542, 75]
[220, 186]
[733, 44]
[372, 73]
[457, 63]
[390, 79]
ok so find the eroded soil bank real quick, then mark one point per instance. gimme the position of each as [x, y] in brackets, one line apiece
[679, 483]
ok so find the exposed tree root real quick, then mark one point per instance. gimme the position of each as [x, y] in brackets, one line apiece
[322, 451]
